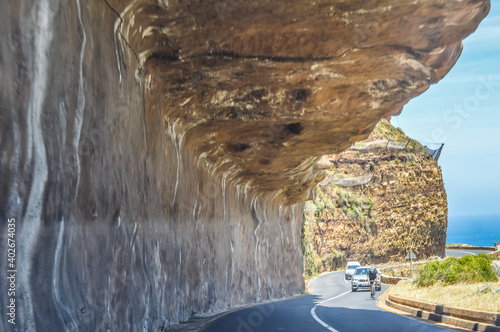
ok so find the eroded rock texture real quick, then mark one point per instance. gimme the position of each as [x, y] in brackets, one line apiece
[152, 151]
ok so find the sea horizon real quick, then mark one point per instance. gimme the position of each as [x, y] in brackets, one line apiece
[473, 230]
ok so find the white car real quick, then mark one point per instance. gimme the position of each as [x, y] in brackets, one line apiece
[360, 276]
[349, 270]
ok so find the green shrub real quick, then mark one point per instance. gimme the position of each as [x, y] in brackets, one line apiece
[307, 245]
[354, 201]
[467, 269]
[367, 203]
[343, 199]
[352, 214]
[357, 211]
[332, 261]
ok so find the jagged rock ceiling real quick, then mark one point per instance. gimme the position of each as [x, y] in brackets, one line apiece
[257, 90]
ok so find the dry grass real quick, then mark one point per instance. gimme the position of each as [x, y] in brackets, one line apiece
[481, 296]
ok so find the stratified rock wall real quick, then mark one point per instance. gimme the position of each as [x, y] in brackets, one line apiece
[153, 152]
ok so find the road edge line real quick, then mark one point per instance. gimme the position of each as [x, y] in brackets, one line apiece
[382, 299]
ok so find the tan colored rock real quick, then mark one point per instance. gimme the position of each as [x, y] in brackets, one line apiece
[151, 151]
[259, 90]
[379, 221]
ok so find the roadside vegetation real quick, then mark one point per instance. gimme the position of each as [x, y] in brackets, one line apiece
[314, 262]
[468, 282]
[467, 269]
[477, 296]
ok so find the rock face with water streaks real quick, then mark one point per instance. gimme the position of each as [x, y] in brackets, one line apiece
[153, 153]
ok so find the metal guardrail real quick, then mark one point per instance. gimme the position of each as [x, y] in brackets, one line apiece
[460, 247]
[351, 181]
[379, 144]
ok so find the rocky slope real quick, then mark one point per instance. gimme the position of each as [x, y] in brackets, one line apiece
[153, 152]
[380, 198]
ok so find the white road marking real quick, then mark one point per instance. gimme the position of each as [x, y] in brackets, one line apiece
[333, 298]
[313, 312]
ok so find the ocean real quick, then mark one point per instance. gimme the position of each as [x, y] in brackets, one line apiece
[477, 231]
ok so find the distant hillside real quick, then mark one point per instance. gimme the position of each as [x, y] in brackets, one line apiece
[379, 198]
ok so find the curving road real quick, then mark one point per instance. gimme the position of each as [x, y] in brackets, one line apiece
[331, 306]
[461, 252]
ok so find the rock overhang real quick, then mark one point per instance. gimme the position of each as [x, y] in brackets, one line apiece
[257, 91]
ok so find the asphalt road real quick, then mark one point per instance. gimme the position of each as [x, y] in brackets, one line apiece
[331, 306]
[460, 253]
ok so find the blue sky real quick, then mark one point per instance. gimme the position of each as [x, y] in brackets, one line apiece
[463, 111]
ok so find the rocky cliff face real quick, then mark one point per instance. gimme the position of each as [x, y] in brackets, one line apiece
[153, 152]
[380, 198]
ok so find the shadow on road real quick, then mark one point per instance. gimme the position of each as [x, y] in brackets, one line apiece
[290, 315]
[346, 319]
